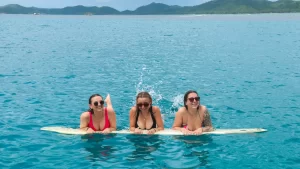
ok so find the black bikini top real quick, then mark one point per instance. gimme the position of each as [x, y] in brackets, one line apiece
[152, 116]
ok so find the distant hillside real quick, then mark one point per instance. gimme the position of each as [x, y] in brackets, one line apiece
[245, 6]
[211, 7]
[80, 10]
[75, 10]
[17, 9]
[156, 8]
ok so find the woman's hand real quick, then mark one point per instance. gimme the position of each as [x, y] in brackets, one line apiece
[138, 131]
[186, 131]
[107, 130]
[199, 131]
[152, 131]
[90, 131]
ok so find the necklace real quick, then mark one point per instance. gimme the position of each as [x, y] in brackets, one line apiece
[144, 116]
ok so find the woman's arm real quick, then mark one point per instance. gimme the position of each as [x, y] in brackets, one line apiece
[112, 119]
[207, 122]
[178, 122]
[111, 114]
[132, 121]
[158, 118]
[84, 121]
[132, 118]
[177, 125]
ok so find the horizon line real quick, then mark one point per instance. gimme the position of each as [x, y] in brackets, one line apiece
[99, 6]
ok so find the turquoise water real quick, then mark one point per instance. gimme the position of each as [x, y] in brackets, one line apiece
[245, 67]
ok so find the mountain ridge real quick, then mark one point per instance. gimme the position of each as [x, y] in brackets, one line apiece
[210, 7]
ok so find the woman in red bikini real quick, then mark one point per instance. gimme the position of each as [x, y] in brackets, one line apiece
[98, 118]
[193, 118]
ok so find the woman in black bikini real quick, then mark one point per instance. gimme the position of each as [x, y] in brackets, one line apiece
[144, 116]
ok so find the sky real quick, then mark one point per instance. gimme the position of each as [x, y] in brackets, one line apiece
[117, 4]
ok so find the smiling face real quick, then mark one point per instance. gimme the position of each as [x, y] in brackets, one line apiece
[192, 101]
[96, 103]
[143, 103]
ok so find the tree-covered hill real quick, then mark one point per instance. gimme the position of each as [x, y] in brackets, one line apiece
[211, 7]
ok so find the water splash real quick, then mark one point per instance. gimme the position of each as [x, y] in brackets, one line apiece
[167, 105]
[146, 84]
[177, 103]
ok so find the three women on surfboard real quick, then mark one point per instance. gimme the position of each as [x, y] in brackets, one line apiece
[145, 116]
[192, 118]
[98, 118]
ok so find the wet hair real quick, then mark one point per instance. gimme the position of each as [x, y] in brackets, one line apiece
[186, 97]
[90, 102]
[143, 95]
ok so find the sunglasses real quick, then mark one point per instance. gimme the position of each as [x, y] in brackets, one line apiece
[191, 99]
[100, 102]
[143, 104]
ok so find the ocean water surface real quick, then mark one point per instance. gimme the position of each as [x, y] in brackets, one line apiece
[245, 68]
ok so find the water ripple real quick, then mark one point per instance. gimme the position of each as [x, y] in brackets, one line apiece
[47, 80]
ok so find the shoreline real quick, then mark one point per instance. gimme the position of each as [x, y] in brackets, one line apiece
[160, 14]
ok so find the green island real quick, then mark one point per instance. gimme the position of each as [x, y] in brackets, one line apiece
[211, 7]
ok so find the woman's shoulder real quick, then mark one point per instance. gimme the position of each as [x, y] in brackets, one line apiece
[155, 108]
[85, 114]
[203, 108]
[181, 110]
[132, 111]
[133, 108]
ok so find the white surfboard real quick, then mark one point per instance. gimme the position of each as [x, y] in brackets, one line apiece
[64, 130]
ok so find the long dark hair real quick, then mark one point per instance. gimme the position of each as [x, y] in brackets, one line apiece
[90, 102]
[186, 97]
[143, 95]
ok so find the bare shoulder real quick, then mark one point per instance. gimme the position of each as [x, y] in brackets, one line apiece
[132, 110]
[155, 109]
[203, 108]
[85, 115]
[205, 111]
[181, 111]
